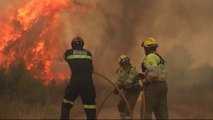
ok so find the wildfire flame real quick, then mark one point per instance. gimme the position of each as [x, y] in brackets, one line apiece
[29, 33]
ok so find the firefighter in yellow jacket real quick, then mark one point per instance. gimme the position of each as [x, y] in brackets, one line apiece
[155, 81]
[128, 84]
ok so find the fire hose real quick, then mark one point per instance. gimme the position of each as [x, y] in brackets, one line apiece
[105, 99]
[142, 110]
[120, 92]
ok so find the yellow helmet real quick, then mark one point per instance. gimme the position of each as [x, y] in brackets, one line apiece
[121, 58]
[149, 42]
[124, 59]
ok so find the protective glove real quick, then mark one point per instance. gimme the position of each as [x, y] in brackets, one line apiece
[116, 92]
[120, 86]
[136, 88]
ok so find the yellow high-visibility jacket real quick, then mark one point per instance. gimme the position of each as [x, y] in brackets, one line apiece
[127, 77]
[153, 66]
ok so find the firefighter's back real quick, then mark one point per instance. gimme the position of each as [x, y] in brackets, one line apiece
[80, 62]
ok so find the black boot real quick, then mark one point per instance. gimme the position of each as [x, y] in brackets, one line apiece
[65, 110]
[91, 114]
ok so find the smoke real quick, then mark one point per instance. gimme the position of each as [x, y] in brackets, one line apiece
[112, 28]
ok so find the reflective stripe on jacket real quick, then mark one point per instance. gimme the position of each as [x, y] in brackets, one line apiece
[80, 62]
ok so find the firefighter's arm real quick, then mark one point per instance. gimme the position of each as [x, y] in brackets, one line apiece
[119, 84]
[152, 68]
[65, 55]
[128, 83]
[134, 84]
[131, 78]
[152, 73]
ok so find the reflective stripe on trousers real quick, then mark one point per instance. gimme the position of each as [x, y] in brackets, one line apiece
[90, 106]
[68, 102]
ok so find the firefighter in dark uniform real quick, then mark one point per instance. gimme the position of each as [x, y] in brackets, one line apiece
[153, 67]
[81, 83]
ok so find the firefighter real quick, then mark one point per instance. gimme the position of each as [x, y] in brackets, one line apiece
[81, 83]
[128, 84]
[155, 81]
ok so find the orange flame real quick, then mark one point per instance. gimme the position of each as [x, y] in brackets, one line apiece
[29, 33]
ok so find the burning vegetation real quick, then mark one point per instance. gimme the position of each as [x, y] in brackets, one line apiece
[29, 33]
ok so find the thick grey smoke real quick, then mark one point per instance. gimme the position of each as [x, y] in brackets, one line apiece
[118, 26]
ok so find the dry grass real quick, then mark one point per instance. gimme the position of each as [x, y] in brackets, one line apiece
[191, 103]
[27, 99]
[181, 106]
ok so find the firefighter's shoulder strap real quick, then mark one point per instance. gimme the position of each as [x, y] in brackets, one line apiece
[162, 61]
[158, 62]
